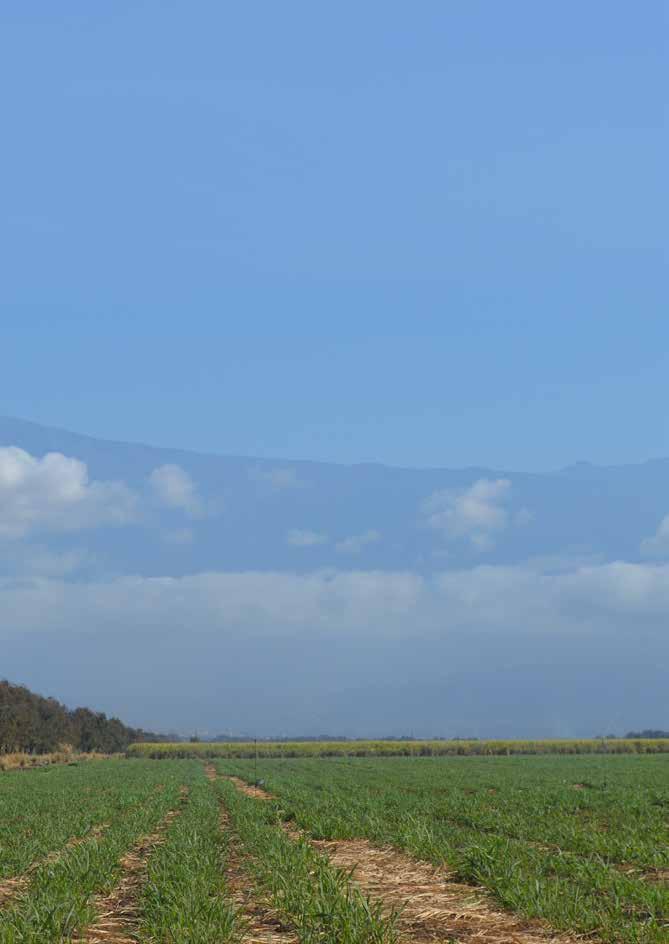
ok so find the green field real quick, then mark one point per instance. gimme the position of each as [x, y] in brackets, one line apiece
[173, 852]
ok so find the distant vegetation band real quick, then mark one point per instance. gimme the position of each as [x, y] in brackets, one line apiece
[396, 748]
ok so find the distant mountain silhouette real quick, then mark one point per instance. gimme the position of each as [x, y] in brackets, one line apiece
[299, 515]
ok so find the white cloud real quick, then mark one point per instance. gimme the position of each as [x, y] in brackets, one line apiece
[476, 514]
[406, 644]
[174, 488]
[299, 538]
[607, 599]
[356, 543]
[658, 544]
[278, 479]
[54, 494]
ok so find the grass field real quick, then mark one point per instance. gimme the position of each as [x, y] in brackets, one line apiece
[382, 850]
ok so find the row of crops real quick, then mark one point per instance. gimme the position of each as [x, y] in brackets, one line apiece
[63, 834]
[69, 835]
[580, 842]
[171, 852]
[456, 748]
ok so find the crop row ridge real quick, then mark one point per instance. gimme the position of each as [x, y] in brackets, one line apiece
[118, 917]
[262, 924]
[14, 887]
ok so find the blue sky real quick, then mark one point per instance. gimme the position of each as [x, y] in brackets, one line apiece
[426, 234]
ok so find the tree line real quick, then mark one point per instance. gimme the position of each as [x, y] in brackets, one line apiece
[38, 725]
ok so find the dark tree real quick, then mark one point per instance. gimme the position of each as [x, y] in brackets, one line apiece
[38, 725]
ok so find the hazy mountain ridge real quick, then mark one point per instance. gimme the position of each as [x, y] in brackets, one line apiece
[296, 515]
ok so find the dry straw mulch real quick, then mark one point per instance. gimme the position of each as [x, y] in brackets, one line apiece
[431, 905]
[249, 790]
[19, 760]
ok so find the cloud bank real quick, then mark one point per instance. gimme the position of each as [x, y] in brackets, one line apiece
[501, 651]
[381, 604]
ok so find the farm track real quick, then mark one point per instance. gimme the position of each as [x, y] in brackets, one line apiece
[431, 907]
[118, 913]
[13, 887]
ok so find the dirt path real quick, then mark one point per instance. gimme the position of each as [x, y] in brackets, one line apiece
[432, 907]
[118, 913]
[11, 888]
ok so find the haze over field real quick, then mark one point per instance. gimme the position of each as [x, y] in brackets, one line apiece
[237, 593]
[423, 247]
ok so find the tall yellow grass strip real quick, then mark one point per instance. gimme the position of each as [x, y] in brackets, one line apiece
[21, 761]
